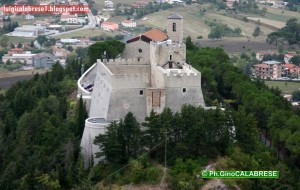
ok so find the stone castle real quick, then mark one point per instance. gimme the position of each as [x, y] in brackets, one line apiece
[152, 75]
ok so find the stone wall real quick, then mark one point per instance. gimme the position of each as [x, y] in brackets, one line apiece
[101, 92]
[137, 49]
[127, 100]
[176, 36]
[89, 149]
[164, 52]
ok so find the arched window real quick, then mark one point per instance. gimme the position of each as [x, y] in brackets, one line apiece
[174, 27]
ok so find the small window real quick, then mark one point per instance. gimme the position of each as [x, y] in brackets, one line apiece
[174, 27]
[140, 50]
[141, 92]
[170, 57]
[184, 90]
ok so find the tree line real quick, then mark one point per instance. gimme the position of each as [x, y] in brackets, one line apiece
[8, 27]
[289, 33]
[40, 133]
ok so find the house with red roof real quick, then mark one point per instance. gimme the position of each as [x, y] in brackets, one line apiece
[291, 70]
[109, 26]
[288, 56]
[260, 55]
[141, 43]
[268, 70]
[128, 23]
[139, 46]
[140, 3]
[69, 18]
[15, 51]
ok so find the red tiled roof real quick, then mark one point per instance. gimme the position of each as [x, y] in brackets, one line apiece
[127, 21]
[16, 49]
[265, 66]
[109, 23]
[290, 66]
[155, 35]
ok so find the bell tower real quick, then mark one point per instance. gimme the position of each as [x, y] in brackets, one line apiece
[175, 28]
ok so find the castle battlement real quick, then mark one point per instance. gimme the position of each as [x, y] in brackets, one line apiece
[133, 76]
[134, 61]
[152, 75]
[166, 44]
[181, 74]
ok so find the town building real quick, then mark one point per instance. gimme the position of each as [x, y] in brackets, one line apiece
[109, 26]
[129, 23]
[68, 18]
[73, 3]
[108, 4]
[28, 31]
[291, 70]
[260, 55]
[21, 2]
[230, 3]
[152, 74]
[15, 51]
[43, 60]
[140, 3]
[44, 23]
[288, 56]
[61, 54]
[86, 41]
[24, 57]
[70, 41]
[29, 17]
[268, 70]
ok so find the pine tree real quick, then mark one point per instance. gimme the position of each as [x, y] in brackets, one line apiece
[111, 144]
[153, 133]
[256, 32]
[81, 116]
[132, 135]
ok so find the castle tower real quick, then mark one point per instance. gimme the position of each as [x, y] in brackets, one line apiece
[175, 28]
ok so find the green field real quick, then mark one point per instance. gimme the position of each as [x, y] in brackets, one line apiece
[86, 33]
[278, 14]
[14, 39]
[194, 22]
[285, 86]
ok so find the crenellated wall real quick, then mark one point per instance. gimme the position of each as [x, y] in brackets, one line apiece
[117, 90]
[129, 61]
[164, 52]
[183, 88]
[153, 78]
